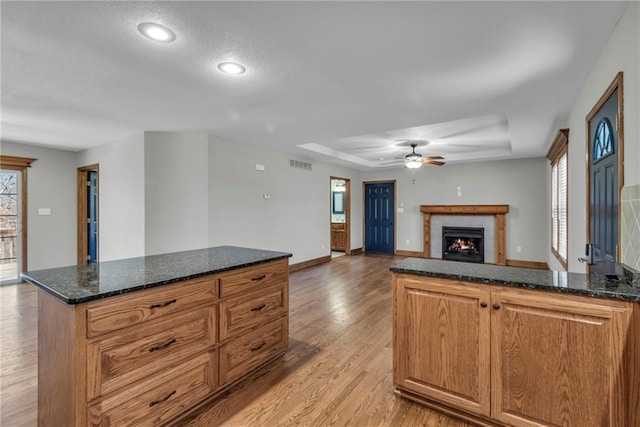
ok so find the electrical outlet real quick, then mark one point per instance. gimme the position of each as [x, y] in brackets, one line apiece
[518, 249]
[459, 191]
[322, 245]
[407, 241]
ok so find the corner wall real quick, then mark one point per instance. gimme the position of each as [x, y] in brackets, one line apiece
[176, 191]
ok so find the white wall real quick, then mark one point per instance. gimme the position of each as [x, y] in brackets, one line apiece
[622, 53]
[51, 183]
[176, 193]
[121, 209]
[296, 217]
[521, 184]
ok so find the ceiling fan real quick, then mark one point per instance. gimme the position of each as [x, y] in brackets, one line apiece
[414, 160]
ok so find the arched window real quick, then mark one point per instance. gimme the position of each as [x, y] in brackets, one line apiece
[603, 140]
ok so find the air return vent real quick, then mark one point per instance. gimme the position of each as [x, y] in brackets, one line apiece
[299, 164]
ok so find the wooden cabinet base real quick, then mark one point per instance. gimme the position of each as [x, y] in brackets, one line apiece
[447, 410]
[157, 355]
[519, 357]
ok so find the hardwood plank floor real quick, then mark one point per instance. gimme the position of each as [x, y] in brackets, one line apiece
[337, 371]
[18, 355]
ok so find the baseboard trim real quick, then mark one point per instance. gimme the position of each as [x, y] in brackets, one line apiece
[357, 251]
[309, 263]
[528, 264]
[410, 253]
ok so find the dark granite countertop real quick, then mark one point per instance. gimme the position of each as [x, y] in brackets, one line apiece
[82, 283]
[626, 286]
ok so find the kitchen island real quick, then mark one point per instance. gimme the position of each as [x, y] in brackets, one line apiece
[144, 340]
[501, 345]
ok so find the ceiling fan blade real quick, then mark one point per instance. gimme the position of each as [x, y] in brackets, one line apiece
[432, 162]
[435, 157]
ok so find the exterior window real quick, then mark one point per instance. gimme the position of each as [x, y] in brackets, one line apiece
[603, 141]
[557, 155]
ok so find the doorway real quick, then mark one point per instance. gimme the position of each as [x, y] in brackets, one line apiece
[88, 214]
[605, 176]
[13, 217]
[379, 217]
[340, 216]
[10, 226]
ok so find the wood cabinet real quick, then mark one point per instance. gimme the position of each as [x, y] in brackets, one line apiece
[507, 356]
[148, 357]
[442, 342]
[338, 237]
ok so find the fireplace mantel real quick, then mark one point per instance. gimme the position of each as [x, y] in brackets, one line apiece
[499, 211]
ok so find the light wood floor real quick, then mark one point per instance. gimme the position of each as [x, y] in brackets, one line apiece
[337, 370]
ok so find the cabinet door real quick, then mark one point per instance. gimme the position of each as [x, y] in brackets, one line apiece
[557, 360]
[442, 342]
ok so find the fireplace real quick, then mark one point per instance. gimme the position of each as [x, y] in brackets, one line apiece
[463, 244]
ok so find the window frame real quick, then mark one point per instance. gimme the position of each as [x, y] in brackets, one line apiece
[559, 150]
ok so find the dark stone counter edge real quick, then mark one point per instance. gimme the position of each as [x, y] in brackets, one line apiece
[587, 292]
[80, 300]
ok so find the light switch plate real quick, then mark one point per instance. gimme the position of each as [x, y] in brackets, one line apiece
[44, 211]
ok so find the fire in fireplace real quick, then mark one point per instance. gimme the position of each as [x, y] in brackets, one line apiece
[463, 244]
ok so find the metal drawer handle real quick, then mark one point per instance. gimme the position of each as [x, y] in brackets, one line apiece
[163, 304]
[260, 277]
[164, 399]
[162, 346]
[258, 347]
[258, 308]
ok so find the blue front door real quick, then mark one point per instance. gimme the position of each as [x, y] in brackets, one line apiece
[379, 217]
[603, 203]
[92, 216]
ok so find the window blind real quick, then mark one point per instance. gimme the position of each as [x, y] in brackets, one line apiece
[562, 206]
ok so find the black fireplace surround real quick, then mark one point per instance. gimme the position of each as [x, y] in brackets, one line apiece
[463, 244]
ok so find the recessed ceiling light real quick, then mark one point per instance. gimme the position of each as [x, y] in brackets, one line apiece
[231, 68]
[156, 32]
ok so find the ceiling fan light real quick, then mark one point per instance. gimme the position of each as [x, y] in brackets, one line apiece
[413, 164]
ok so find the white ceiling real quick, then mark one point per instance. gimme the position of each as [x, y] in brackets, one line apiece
[345, 82]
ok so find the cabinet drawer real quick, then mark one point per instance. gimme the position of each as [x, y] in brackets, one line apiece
[245, 353]
[242, 313]
[122, 359]
[159, 398]
[128, 310]
[254, 278]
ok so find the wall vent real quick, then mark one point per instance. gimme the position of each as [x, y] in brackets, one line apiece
[299, 164]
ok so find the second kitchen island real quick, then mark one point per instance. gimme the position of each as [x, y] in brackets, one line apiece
[502, 346]
[144, 340]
